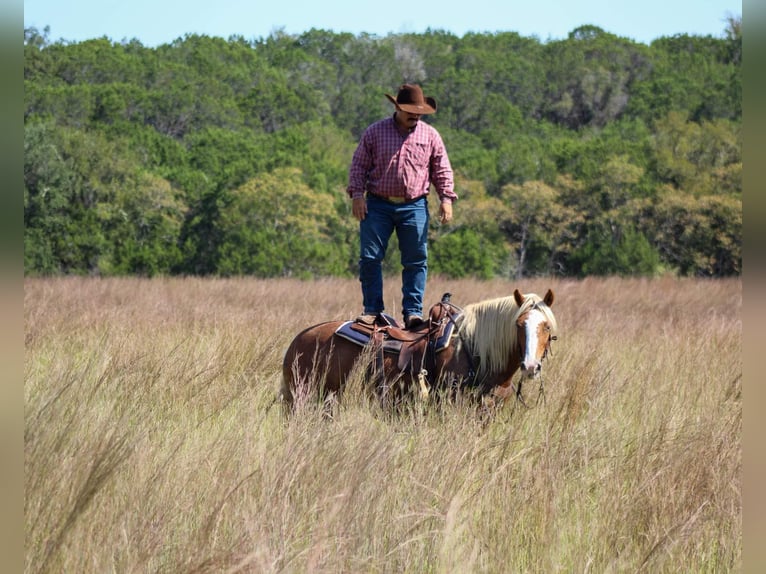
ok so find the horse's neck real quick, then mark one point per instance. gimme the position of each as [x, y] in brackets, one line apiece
[503, 371]
[503, 377]
[486, 377]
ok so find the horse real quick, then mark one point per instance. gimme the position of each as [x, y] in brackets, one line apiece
[478, 348]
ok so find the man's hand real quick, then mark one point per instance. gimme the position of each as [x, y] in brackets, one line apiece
[359, 208]
[445, 212]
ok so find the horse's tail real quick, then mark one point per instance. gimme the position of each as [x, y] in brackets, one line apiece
[284, 394]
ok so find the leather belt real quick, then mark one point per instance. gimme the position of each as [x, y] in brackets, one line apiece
[397, 200]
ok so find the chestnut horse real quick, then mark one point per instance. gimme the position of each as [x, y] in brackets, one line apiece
[487, 343]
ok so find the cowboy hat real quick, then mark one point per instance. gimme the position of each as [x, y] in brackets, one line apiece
[410, 99]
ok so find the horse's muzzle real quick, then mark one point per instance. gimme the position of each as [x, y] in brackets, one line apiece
[531, 369]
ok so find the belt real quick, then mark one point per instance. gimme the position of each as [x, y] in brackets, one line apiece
[397, 200]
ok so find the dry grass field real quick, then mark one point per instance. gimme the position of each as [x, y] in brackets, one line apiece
[151, 444]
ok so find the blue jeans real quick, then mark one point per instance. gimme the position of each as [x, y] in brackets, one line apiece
[410, 221]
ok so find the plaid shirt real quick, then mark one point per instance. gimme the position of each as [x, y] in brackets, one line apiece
[392, 165]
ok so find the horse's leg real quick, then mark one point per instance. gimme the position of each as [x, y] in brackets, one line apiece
[285, 395]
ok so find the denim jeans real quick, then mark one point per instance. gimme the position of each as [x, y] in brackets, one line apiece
[410, 221]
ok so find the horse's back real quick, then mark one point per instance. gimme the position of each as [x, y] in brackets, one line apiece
[308, 344]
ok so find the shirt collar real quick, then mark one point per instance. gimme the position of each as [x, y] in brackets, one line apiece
[396, 126]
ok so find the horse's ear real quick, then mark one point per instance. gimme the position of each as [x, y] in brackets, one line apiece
[518, 297]
[548, 299]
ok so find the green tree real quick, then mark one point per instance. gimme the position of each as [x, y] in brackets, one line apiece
[472, 245]
[143, 224]
[89, 207]
[276, 225]
[698, 158]
[697, 75]
[532, 221]
[627, 137]
[65, 176]
[589, 76]
[464, 253]
[617, 180]
[625, 253]
[47, 192]
[698, 237]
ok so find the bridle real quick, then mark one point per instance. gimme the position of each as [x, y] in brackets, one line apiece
[470, 379]
[541, 391]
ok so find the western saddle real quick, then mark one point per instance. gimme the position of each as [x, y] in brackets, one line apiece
[416, 348]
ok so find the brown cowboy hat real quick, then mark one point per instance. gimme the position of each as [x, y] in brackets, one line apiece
[410, 99]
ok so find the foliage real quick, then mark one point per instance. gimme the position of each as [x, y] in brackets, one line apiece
[464, 253]
[89, 209]
[699, 237]
[533, 225]
[275, 225]
[627, 254]
[567, 153]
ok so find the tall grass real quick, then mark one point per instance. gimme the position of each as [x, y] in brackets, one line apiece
[153, 443]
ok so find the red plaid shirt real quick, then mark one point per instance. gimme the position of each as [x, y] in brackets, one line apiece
[392, 165]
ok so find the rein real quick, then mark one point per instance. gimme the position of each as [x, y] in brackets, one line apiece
[449, 312]
[520, 398]
[541, 391]
[428, 359]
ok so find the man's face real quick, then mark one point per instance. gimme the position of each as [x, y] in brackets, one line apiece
[406, 119]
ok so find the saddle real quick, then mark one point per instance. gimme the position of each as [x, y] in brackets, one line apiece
[411, 345]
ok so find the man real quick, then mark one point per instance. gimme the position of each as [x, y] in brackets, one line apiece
[397, 160]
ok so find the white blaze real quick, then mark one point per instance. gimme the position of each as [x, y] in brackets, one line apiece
[532, 323]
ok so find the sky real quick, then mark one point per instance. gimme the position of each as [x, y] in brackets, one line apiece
[155, 22]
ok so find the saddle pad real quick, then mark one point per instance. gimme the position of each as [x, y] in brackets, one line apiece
[346, 331]
[350, 334]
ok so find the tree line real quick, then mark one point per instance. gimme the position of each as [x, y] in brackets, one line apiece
[207, 156]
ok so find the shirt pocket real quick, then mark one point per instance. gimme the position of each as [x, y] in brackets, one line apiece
[418, 156]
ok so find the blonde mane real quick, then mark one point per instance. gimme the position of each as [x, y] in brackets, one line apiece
[489, 329]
